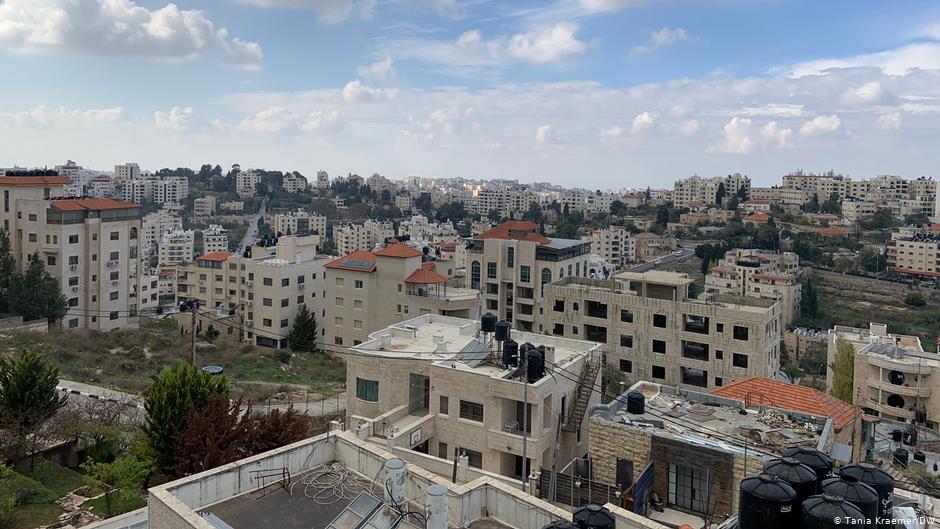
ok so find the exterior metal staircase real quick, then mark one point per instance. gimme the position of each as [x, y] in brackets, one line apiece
[583, 396]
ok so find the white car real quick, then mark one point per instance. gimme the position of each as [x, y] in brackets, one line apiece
[678, 253]
[658, 261]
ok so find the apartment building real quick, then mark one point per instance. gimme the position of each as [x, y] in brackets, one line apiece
[77, 175]
[157, 224]
[294, 182]
[366, 291]
[255, 299]
[176, 246]
[101, 186]
[443, 375]
[214, 239]
[760, 274]
[126, 171]
[421, 231]
[350, 238]
[153, 188]
[300, 222]
[405, 202]
[204, 206]
[246, 182]
[511, 263]
[588, 202]
[915, 251]
[649, 245]
[854, 210]
[506, 201]
[894, 378]
[614, 245]
[654, 331]
[698, 191]
[820, 185]
[323, 179]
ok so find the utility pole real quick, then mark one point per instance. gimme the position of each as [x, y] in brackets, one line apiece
[193, 304]
[525, 420]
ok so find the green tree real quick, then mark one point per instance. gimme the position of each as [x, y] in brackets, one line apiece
[662, 216]
[7, 268]
[873, 261]
[28, 395]
[303, 335]
[809, 302]
[720, 194]
[35, 294]
[211, 333]
[168, 400]
[125, 472]
[843, 371]
[733, 203]
[833, 204]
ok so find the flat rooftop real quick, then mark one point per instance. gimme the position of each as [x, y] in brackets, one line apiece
[709, 420]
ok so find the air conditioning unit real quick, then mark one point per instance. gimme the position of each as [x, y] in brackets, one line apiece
[249, 283]
[73, 268]
[300, 286]
[114, 282]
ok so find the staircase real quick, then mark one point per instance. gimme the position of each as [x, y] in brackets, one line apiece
[583, 396]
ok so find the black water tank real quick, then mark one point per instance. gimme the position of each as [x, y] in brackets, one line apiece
[901, 456]
[767, 502]
[829, 511]
[799, 476]
[896, 435]
[814, 459]
[593, 517]
[510, 353]
[636, 403]
[879, 480]
[910, 437]
[502, 331]
[488, 323]
[535, 364]
[560, 524]
[920, 456]
[863, 496]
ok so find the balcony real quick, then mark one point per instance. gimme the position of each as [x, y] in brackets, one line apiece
[904, 367]
[908, 390]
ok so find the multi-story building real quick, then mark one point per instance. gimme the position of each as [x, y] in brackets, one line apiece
[294, 182]
[234, 206]
[649, 245]
[760, 274]
[505, 201]
[176, 247]
[351, 238]
[100, 186]
[405, 202]
[366, 291]
[915, 251]
[588, 202]
[246, 182]
[613, 244]
[126, 171]
[158, 189]
[214, 239]
[444, 374]
[77, 175]
[893, 378]
[855, 210]
[255, 299]
[654, 331]
[323, 179]
[698, 191]
[300, 222]
[511, 263]
[420, 231]
[155, 226]
[820, 185]
[204, 206]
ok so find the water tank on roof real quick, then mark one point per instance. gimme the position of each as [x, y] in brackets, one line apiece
[502, 330]
[767, 502]
[593, 517]
[863, 496]
[535, 363]
[799, 476]
[560, 524]
[814, 459]
[879, 480]
[636, 403]
[510, 353]
[901, 456]
[488, 323]
[896, 435]
[829, 511]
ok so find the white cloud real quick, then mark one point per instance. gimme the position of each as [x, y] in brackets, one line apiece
[176, 119]
[545, 44]
[737, 137]
[821, 125]
[613, 132]
[772, 110]
[356, 92]
[890, 121]
[777, 135]
[899, 61]
[380, 70]
[115, 28]
[61, 117]
[642, 121]
[689, 127]
[271, 119]
[545, 134]
[606, 6]
[329, 11]
[870, 93]
[665, 36]
[320, 120]
[469, 38]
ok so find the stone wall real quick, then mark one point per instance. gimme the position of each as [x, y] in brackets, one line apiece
[609, 441]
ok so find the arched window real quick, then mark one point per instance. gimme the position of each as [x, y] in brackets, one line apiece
[475, 275]
[546, 278]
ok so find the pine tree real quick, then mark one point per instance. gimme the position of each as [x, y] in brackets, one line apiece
[809, 303]
[843, 371]
[303, 335]
[28, 395]
[35, 294]
[7, 268]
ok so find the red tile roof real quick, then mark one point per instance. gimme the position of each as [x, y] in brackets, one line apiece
[757, 217]
[361, 255]
[520, 230]
[425, 277]
[91, 204]
[831, 232]
[33, 180]
[398, 250]
[215, 256]
[759, 390]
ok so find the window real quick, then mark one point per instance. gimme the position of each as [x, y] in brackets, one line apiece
[558, 330]
[696, 324]
[300, 300]
[442, 451]
[546, 277]
[267, 302]
[559, 305]
[596, 309]
[357, 324]
[114, 275]
[472, 411]
[719, 327]
[492, 288]
[626, 340]
[267, 281]
[366, 389]
[659, 346]
[525, 274]
[719, 354]
[491, 270]
[115, 235]
[33, 237]
[739, 360]
[73, 239]
[340, 302]
[445, 405]
[574, 330]
[114, 295]
[626, 316]
[694, 350]
[337, 340]
[474, 458]
[358, 283]
[73, 302]
[626, 366]
[475, 275]
[694, 377]
[284, 323]
[285, 282]
[659, 372]
[50, 260]
[113, 315]
[31, 217]
[114, 256]
[718, 381]
[285, 302]
[510, 257]
[659, 320]
[73, 259]
[357, 303]
[73, 323]
[300, 280]
[73, 281]
[266, 322]
[492, 304]
[740, 333]
[338, 320]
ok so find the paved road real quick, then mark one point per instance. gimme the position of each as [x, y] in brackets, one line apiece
[251, 233]
[685, 253]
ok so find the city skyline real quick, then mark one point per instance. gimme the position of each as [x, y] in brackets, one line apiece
[620, 93]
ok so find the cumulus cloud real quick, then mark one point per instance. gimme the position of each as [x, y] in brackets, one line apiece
[176, 119]
[737, 137]
[899, 61]
[545, 134]
[320, 120]
[381, 70]
[61, 117]
[778, 136]
[689, 127]
[821, 125]
[271, 119]
[642, 121]
[116, 28]
[665, 36]
[356, 92]
[328, 11]
[545, 44]
[870, 93]
[890, 121]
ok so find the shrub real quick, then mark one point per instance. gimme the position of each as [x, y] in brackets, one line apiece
[914, 300]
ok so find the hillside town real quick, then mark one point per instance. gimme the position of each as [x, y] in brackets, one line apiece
[487, 351]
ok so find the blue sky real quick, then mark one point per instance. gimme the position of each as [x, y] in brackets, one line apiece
[599, 93]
